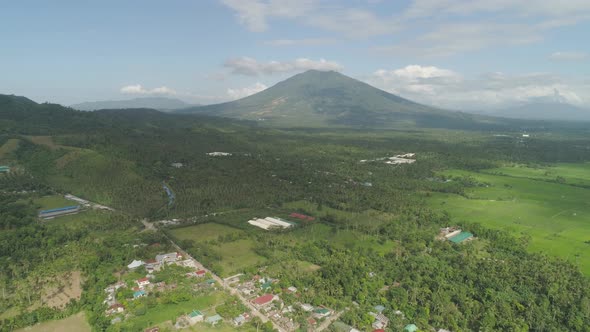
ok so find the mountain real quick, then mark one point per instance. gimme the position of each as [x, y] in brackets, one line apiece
[158, 103]
[553, 110]
[320, 98]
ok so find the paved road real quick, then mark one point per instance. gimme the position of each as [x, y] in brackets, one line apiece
[232, 290]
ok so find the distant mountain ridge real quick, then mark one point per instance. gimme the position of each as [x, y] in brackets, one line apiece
[553, 110]
[324, 98]
[157, 103]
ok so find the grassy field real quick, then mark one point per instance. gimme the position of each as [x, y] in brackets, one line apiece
[169, 312]
[75, 323]
[575, 174]
[203, 232]
[53, 202]
[235, 255]
[556, 216]
[8, 147]
[238, 255]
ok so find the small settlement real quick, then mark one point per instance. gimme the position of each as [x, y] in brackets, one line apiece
[144, 286]
[264, 294]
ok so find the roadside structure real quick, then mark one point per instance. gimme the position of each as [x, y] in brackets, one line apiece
[52, 213]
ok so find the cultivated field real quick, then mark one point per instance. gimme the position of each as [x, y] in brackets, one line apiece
[75, 323]
[203, 232]
[575, 174]
[555, 215]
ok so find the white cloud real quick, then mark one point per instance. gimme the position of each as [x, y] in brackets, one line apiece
[252, 67]
[138, 89]
[254, 14]
[353, 22]
[443, 27]
[569, 56]
[300, 42]
[245, 92]
[547, 8]
[453, 38]
[448, 89]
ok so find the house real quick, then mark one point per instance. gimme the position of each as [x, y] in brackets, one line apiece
[195, 316]
[168, 258]
[176, 165]
[210, 282]
[238, 321]
[307, 307]
[380, 321]
[152, 329]
[241, 319]
[138, 294]
[411, 328]
[311, 322]
[200, 273]
[116, 308]
[142, 282]
[321, 313]
[214, 319]
[264, 300]
[152, 265]
[291, 290]
[379, 308]
[135, 264]
[266, 285]
[4, 169]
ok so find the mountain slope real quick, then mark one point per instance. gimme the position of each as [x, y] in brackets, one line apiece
[158, 103]
[316, 98]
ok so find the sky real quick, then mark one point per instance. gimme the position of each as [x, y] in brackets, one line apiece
[456, 54]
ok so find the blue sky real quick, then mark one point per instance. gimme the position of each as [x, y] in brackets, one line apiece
[450, 53]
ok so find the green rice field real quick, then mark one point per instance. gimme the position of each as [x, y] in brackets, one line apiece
[524, 201]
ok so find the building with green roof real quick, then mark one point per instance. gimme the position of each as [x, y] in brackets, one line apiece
[411, 328]
[461, 237]
[4, 169]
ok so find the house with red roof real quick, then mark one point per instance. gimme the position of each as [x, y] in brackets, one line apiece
[142, 282]
[115, 309]
[264, 300]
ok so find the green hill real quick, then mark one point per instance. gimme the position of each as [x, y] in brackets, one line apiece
[158, 103]
[317, 98]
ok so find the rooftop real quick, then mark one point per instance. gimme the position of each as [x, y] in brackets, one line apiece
[264, 299]
[460, 237]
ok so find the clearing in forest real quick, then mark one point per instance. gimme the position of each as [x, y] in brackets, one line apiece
[70, 287]
[75, 323]
[556, 216]
[10, 146]
[204, 232]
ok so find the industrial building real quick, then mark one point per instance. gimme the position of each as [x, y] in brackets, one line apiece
[270, 223]
[52, 213]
